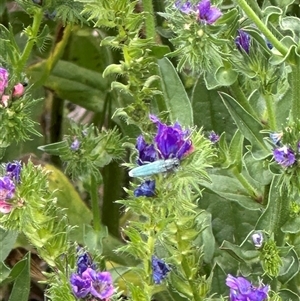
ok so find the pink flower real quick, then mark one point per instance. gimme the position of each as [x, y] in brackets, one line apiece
[4, 100]
[5, 207]
[18, 90]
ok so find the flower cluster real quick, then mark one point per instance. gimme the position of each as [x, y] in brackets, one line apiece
[204, 11]
[284, 156]
[88, 283]
[18, 89]
[242, 290]
[160, 269]
[169, 142]
[8, 186]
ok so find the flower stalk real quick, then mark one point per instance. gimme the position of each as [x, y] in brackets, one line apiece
[95, 204]
[251, 190]
[295, 90]
[150, 19]
[241, 98]
[37, 19]
[270, 110]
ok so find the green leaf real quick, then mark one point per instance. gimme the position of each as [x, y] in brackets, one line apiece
[206, 238]
[176, 98]
[247, 256]
[257, 170]
[169, 295]
[4, 272]
[291, 24]
[56, 148]
[21, 288]
[79, 85]
[277, 211]
[290, 267]
[236, 150]
[7, 241]
[102, 56]
[209, 112]
[93, 239]
[181, 286]
[248, 126]
[224, 185]
[292, 225]
[230, 221]
[226, 76]
[218, 285]
[288, 295]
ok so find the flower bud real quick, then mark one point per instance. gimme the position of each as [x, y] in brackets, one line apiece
[18, 90]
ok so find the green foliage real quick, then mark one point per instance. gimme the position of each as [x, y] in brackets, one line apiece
[95, 150]
[21, 286]
[36, 215]
[202, 217]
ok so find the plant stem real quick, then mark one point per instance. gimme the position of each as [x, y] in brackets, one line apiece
[95, 204]
[251, 190]
[150, 19]
[295, 89]
[271, 110]
[56, 53]
[37, 19]
[262, 27]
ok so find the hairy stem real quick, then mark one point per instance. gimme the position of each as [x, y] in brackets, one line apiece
[241, 98]
[37, 19]
[271, 110]
[95, 204]
[295, 88]
[251, 190]
[262, 27]
[150, 19]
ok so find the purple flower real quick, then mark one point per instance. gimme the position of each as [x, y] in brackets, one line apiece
[171, 141]
[75, 145]
[242, 290]
[84, 261]
[284, 156]
[257, 239]
[213, 137]
[147, 152]
[3, 80]
[145, 189]
[185, 7]
[13, 170]
[80, 286]
[242, 41]
[7, 188]
[98, 284]
[207, 13]
[102, 286]
[160, 269]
